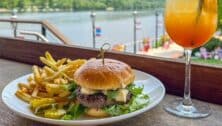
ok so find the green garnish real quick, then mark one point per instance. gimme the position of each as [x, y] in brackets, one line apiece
[138, 101]
[74, 111]
[67, 117]
[72, 96]
[135, 103]
[72, 86]
[69, 86]
[111, 94]
[135, 90]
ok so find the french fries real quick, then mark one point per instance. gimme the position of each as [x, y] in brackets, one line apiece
[48, 70]
[61, 62]
[23, 96]
[36, 73]
[48, 63]
[35, 91]
[45, 84]
[49, 57]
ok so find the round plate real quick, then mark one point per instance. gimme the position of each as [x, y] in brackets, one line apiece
[152, 86]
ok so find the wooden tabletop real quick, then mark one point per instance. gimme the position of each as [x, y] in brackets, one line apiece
[10, 70]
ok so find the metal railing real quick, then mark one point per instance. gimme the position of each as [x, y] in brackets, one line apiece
[45, 26]
[36, 34]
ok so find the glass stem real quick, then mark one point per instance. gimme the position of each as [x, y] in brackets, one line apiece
[187, 99]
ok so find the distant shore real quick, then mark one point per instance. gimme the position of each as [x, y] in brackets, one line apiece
[3, 10]
[48, 10]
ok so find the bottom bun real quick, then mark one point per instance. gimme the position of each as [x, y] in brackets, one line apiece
[96, 112]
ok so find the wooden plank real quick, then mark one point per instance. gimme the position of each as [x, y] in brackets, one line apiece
[56, 32]
[28, 21]
[45, 25]
[206, 80]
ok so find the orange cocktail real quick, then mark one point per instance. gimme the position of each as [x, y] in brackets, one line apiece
[190, 23]
[188, 27]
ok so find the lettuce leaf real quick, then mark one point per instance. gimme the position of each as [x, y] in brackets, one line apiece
[74, 111]
[135, 90]
[138, 101]
[111, 94]
[135, 103]
[72, 86]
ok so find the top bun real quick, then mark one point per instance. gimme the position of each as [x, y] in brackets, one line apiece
[112, 75]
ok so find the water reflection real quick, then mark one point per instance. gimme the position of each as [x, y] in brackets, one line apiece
[116, 27]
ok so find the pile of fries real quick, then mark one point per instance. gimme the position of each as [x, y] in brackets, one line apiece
[48, 84]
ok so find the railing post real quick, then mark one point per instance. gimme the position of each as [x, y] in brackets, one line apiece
[43, 31]
[156, 29]
[93, 18]
[134, 31]
[14, 24]
[163, 28]
[14, 27]
[37, 38]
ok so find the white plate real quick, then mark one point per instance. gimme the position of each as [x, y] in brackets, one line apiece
[152, 86]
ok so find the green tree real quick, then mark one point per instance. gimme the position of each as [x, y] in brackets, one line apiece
[81, 4]
[9, 4]
[3, 3]
[220, 14]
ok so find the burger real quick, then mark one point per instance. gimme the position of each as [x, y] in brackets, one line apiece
[106, 87]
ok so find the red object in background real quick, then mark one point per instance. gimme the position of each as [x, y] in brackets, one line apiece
[146, 47]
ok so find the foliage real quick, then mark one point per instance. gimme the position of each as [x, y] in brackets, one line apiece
[220, 14]
[23, 5]
[207, 61]
[211, 45]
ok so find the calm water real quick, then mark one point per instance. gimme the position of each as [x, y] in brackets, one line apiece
[117, 27]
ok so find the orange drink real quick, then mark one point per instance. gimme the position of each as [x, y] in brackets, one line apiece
[190, 23]
[187, 25]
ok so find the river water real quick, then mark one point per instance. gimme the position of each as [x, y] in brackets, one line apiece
[116, 27]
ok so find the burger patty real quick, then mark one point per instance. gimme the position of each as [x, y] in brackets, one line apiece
[97, 100]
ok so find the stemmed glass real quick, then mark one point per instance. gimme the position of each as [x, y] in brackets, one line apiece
[190, 23]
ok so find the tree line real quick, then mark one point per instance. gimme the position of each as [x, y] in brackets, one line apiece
[44, 5]
[220, 14]
[23, 5]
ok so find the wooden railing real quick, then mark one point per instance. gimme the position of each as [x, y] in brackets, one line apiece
[206, 80]
[45, 25]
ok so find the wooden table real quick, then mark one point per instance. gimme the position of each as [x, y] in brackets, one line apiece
[10, 70]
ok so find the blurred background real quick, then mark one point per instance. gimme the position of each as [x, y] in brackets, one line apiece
[134, 26]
